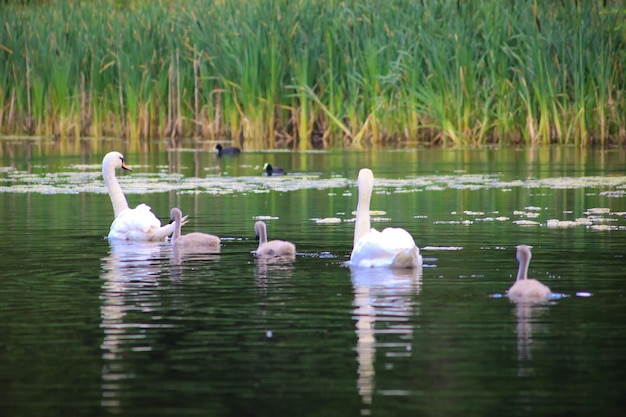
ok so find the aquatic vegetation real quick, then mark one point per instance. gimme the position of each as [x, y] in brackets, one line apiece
[88, 179]
[597, 210]
[442, 248]
[527, 214]
[304, 74]
[556, 223]
[526, 222]
[327, 220]
[264, 218]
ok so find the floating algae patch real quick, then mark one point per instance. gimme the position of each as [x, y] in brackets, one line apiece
[229, 185]
[606, 227]
[379, 219]
[580, 182]
[617, 184]
[526, 223]
[597, 218]
[51, 183]
[265, 218]
[443, 248]
[613, 193]
[462, 222]
[527, 214]
[14, 181]
[326, 220]
[562, 224]
[373, 213]
[88, 178]
[86, 167]
[598, 210]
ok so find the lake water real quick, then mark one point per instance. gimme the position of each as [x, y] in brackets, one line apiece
[92, 328]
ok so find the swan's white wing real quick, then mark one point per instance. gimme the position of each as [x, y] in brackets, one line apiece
[393, 247]
[139, 224]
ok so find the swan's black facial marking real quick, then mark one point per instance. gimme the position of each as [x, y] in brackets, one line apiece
[124, 166]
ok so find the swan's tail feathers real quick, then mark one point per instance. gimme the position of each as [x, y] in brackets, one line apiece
[162, 233]
[408, 258]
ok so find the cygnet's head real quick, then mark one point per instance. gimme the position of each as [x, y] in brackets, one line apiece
[523, 253]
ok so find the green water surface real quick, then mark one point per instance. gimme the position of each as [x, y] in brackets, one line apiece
[91, 328]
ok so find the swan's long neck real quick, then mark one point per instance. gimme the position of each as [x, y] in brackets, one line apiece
[524, 261]
[115, 191]
[261, 231]
[362, 222]
[177, 227]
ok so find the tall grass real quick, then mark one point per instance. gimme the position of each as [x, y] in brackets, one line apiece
[280, 73]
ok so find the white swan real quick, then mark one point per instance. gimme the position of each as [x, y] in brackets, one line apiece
[130, 224]
[195, 240]
[527, 289]
[280, 248]
[393, 247]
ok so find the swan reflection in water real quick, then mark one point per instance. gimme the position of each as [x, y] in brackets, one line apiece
[187, 254]
[527, 314]
[272, 267]
[130, 275]
[530, 298]
[386, 296]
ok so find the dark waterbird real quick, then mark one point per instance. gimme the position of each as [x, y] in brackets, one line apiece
[270, 170]
[228, 150]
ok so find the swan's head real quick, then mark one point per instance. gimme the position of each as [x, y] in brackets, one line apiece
[523, 253]
[175, 215]
[218, 147]
[115, 160]
[365, 176]
[267, 166]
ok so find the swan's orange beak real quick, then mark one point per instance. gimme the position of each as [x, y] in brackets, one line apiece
[126, 167]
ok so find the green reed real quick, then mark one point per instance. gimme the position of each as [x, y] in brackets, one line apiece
[276, 74]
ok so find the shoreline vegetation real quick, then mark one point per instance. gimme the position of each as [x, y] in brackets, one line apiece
[304, 74]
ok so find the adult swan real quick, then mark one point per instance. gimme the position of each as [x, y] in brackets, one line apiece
[393, 247]
[130, 224]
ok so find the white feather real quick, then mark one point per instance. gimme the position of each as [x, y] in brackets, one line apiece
[139, 223]
[393, 247]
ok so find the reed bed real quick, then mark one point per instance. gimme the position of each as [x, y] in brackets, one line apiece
[311, 73]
